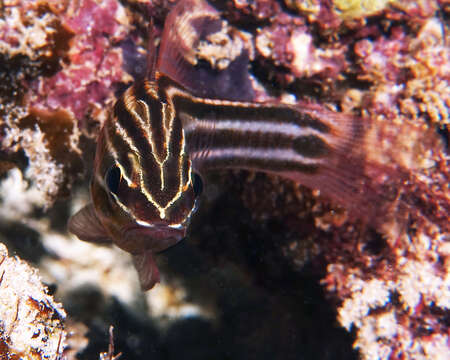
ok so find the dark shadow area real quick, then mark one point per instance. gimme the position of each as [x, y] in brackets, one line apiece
[265, 309]
[134, 334]
[22, 241]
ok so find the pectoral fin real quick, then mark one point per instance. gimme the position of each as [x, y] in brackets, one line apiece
[86, 226]
[147, 270]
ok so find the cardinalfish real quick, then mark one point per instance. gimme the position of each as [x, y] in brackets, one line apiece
[166, 131]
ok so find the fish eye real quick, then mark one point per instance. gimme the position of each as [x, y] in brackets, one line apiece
[112, 178]
[197, 184]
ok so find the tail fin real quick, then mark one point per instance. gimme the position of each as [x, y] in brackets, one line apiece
[368, 186]
[383, 169]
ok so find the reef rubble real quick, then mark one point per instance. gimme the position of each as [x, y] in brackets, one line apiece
[270, 276]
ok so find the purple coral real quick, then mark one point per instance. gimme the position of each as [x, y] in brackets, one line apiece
[93, 66]
[73, 66]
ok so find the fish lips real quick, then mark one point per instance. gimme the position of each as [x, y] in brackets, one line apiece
[156, 238]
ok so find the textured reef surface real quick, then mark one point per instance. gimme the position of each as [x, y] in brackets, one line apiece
[271, 269]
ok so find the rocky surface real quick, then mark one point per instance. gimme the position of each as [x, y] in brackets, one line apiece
[271, 269]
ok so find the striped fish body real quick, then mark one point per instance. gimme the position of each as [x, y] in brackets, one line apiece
[163, 134]
[142, 191]
[160, 139]
[142, 164]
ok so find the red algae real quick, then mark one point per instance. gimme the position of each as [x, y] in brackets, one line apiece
[258, 10]
[92, 66]
[391, 283]
[75, 62]
[398, 297]
[387, 60]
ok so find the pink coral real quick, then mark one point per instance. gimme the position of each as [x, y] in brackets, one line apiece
[76, 66]
[93, 65]
[398, 297]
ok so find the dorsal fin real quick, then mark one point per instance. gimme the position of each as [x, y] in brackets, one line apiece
[151, 51]
[202, 53]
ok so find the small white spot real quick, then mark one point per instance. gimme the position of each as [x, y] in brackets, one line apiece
[144, 223]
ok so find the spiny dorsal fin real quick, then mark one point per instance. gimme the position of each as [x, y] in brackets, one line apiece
[203, 54]
[151, 51]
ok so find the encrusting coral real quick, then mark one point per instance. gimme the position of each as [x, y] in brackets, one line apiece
[391, 287]
[31, 322]
[62, 64]
[62, 69]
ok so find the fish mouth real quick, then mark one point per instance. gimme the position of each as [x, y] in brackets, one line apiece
[155, 238]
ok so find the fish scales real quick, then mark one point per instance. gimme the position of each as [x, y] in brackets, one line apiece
[165, 133]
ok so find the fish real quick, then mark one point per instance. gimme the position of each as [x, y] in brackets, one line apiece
[188, 117]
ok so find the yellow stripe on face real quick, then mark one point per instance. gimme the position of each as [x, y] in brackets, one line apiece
[141, 124]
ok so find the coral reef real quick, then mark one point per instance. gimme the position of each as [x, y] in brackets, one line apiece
[289, 44]
[331, 15]
[396, 292]
[32, 323]
[95, 63]
[391, 286]
[269, 265]
[62, 64]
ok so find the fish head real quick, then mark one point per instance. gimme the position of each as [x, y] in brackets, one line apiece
[144, 190]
